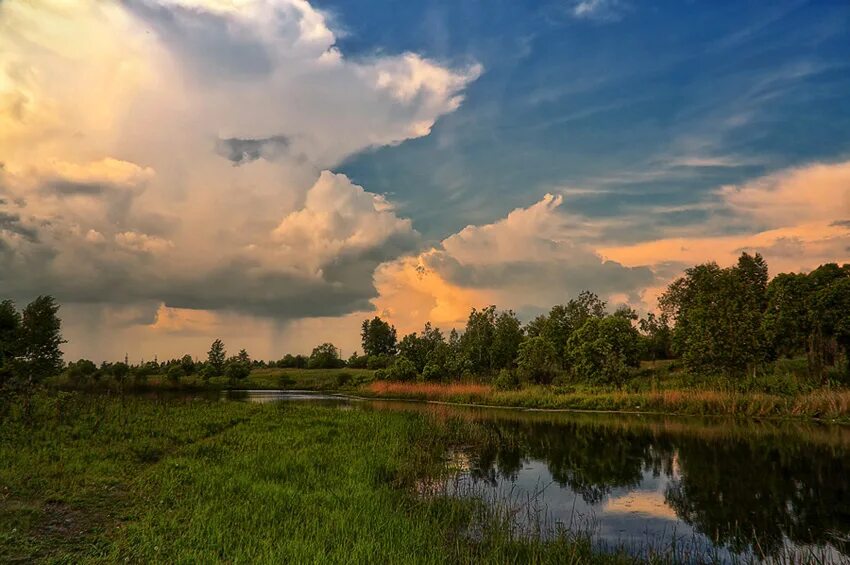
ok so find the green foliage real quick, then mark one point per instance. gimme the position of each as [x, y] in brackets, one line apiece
[507, 379]
[604, 350]
[563, 320]
[188, 364]
[537, 360]
[507, 337]
[718, 314]
[216, 357]
[402, 369]
[81, 371]
[378, 337]
[119, 371]
[325, 356]
[657, 336]
[236, 369]
[357, 361]
[39, 338]
[10, 326]
[378, 362]
[175, 373]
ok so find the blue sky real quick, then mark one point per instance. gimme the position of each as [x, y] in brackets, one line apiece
[650, 102]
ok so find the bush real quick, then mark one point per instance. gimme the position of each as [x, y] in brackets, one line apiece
[537, 360]
[343, 379]
[378, 361]
[237, 370]
[433, 372]
[402, 369]
[358, 361]
[507, 379]
[175, 373]
[604, 350]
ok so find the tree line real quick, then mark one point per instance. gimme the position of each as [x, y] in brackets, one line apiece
[728, 322]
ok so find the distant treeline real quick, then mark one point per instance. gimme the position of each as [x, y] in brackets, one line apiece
[728, 322]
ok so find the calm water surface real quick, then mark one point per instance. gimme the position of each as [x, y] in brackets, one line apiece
[711, 489]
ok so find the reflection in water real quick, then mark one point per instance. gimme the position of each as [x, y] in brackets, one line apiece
[721, 487]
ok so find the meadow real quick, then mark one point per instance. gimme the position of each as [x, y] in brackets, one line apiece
[152, 479]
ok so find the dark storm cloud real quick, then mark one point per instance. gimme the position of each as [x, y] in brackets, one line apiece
[241, 151]
[11, 222]
[584, 271]
[64, 187]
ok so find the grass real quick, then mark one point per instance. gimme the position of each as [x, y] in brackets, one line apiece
[102, 478]
[824, 404]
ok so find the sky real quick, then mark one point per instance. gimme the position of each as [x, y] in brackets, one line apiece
[272, 172]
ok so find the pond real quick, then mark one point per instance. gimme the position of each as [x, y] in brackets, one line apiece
[708, 489]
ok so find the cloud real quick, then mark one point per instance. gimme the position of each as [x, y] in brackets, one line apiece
[113, 192]
[531, 259]
[599, 10]
[795, 218]
[241, 151]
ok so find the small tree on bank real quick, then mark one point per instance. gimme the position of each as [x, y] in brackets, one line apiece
[216, 357]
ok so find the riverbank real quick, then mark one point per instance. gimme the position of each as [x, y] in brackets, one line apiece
[822, 404]
[654, 393]
[95, 478]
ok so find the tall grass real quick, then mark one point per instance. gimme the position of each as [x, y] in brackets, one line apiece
[829, 404]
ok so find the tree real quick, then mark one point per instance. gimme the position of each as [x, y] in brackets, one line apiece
[243, 356]
[564, 319]
[237, 369]
[402, 369]
[507, 337]
[478, 338]
[40, 339]
[10, 326]
[537, 360]
[657, 336]
[603, 350]
[378, 337]
[325, 356]
[188, 364]
[718, 316]
[175, 373]
[216, 357]
[119, 371]
[81, 370]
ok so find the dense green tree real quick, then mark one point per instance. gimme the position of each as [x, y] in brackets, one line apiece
[175, 373]
[564, 319]
[657, 336]
[537, 360]
[604, 350]
[237, 369]
[10, 326]
[216, 357]
[402, 369]
[119, 371]
[378, 337]
[324, 356]
[507, 337]
[243, 356]
[188, 364]
[477, 339]
[81, 370]
[718, 316]
[40, 338]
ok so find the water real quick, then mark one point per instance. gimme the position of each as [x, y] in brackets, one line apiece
[709, 489]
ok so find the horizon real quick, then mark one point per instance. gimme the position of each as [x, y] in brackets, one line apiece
[272, 172]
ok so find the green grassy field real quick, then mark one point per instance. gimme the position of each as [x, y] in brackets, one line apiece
[98, 478]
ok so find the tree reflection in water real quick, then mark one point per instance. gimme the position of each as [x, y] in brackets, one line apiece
[749, 487]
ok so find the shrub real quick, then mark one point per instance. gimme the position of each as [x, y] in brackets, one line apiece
[175, 373]
[433, 372]
[236, 370]
[343, 379]
[507, 379]
[604, 350]
[402, 369]
[537, 360]
[378, 361]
